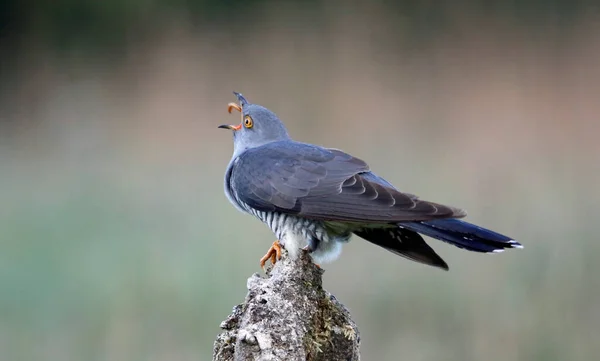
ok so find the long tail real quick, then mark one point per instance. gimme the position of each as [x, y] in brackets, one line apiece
[463, 234]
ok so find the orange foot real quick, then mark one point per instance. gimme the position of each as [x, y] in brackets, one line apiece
[274, 253]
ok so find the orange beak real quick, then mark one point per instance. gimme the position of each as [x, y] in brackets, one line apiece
[231, 106]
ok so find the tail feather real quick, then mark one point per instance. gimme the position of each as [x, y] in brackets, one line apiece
[403, 242]
[463, 235]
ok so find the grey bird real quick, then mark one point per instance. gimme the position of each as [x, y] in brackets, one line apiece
[315, 198]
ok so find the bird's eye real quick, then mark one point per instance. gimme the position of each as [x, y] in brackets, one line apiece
[248, 121]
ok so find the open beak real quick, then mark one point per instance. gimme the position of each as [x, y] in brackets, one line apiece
[230, 107]
[231, 127]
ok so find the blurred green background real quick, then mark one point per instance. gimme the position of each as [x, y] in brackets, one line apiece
[117, 243]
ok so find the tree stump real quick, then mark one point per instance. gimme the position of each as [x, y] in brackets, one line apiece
[288, 316]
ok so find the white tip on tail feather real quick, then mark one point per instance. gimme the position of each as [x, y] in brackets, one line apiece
[515, 244]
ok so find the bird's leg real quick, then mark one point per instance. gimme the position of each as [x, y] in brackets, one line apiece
[274, 254]
[312, 245]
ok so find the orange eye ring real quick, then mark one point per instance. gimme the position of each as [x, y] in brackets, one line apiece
[248, 123]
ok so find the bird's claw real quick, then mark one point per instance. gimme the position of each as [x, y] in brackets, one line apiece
[273, 254]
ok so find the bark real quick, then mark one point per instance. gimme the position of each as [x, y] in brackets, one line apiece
[288, 316]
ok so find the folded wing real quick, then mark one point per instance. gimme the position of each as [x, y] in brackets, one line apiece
[324, 184]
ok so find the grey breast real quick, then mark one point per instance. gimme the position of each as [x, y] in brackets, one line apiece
[274, 220]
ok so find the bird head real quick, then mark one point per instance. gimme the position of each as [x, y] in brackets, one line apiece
[259, 125]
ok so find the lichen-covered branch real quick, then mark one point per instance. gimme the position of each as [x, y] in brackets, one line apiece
[288, 316]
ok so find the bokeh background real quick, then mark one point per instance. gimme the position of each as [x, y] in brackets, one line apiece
[117, 243]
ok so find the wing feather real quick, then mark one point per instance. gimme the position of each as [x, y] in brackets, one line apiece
[325, 184]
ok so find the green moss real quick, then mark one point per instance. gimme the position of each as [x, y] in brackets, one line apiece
[323, 324]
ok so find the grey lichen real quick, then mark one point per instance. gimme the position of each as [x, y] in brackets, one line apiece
[288, 316]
